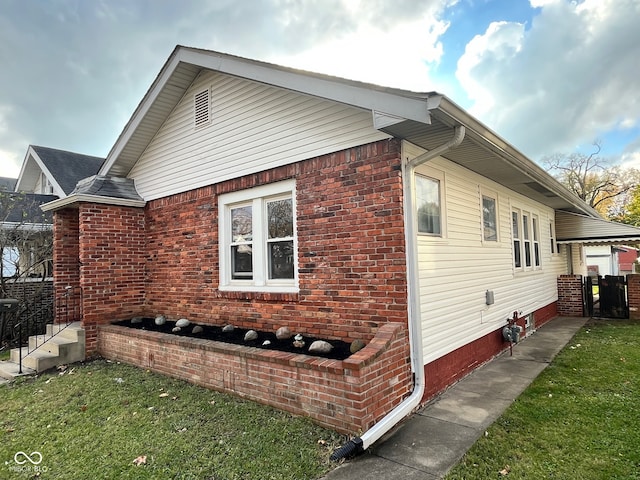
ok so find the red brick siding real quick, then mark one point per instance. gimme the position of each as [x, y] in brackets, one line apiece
[348, 396]
[351, 253]
[570, 302]
[112, 265]
[633, 292]
[450, 368]
[66, 264]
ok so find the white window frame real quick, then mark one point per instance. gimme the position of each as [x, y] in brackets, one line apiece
[552, 237]
[535, 237]
[257, 197]
[528, 239]
[494, 196]
[432, 174]
[516, 235]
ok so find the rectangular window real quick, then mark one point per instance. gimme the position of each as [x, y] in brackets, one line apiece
[429, 205]
[515, 226]
[527, 239]
[536, 241]
[552, 238]
[257, 239]
[489, 219]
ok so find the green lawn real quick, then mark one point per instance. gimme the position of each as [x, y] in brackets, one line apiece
[94, 420]
[580, 419]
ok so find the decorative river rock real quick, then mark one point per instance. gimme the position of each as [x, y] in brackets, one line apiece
[283, 333]
[183, 322]
[320, 346]
[250, 336]
[160, 320]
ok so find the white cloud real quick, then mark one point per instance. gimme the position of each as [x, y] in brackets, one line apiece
[564, 81]
[373, 55]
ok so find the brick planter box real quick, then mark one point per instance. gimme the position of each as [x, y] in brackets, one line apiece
[348, 396]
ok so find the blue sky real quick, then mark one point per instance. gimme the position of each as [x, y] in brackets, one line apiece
[549, 76]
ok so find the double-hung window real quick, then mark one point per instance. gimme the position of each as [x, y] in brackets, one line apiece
[515, 229]
[257, 239]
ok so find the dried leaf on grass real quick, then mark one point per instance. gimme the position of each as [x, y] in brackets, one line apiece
[505, 471]
[141, 460]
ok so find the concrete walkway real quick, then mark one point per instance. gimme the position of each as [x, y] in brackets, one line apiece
[432, 441]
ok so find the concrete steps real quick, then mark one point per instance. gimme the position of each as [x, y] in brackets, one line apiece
[58, 346]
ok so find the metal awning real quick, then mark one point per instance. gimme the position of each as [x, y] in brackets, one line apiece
[576, 228]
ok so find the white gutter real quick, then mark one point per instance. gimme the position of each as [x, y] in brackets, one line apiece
[358, 444]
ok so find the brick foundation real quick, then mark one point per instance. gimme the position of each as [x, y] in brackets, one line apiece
[447, 370]
[348, 396]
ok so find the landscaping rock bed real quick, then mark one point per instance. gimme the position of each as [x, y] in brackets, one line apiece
[235, 335]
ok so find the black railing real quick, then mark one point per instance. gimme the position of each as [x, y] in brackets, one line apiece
[30, 320]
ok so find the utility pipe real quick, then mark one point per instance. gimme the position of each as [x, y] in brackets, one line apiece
[359, 444]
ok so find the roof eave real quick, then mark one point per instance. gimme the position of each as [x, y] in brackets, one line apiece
[74, 199]
[451, 113]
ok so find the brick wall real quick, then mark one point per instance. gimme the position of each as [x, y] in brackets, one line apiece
[348, 396]
[350, 250]
[633, 292]
[570, 303]
[112, 265]
[66, 256]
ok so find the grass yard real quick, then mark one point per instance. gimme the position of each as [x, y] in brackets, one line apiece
[580, 419]
[112, 421]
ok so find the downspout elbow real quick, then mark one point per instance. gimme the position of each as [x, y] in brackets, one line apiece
[457, 138]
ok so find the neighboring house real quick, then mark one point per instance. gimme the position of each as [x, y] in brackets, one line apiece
[7, 184]
[610, 260]
[25, 235]
[46, 174]
[50, 171]
[248, 193]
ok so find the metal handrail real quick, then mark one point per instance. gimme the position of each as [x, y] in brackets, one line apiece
[67, 312]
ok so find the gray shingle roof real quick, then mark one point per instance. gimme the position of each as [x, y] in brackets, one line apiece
[68, 167]
[24, 208]
[104, 186]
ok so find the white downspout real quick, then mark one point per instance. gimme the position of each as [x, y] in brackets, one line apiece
[358, 444]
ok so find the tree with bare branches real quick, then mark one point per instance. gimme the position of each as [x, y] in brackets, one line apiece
[593, 178]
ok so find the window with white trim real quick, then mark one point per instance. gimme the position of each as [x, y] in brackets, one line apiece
[489, 217]
[429, 204]
[535, 234]
[552, 238]
[525, 229]
[515, 232]
[258, 240]
[526, 233]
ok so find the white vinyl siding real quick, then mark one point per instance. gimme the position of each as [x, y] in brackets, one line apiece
[455, 272]
[253, 127]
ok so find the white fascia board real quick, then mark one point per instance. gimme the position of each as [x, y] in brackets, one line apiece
[412, 108]
[84, 198]
[140, 112]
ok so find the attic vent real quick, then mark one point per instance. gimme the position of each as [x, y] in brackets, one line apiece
[201, 108]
